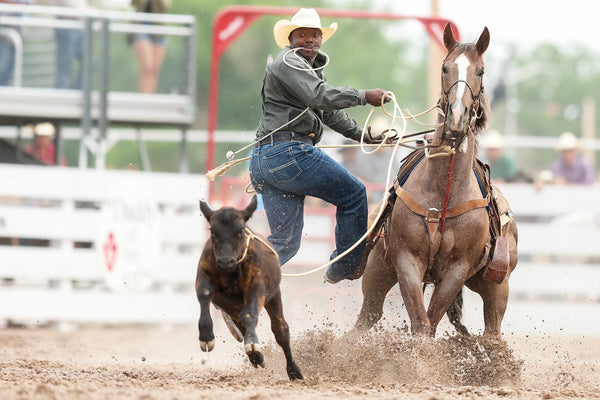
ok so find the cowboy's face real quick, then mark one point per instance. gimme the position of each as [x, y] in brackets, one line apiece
[306, 38]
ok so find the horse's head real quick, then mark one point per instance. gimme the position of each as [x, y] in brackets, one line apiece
[463, 100]
[228, 233]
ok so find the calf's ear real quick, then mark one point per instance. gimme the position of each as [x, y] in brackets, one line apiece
[206, 209]
[251, 208]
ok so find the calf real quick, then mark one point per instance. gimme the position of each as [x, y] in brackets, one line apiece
[240, 273]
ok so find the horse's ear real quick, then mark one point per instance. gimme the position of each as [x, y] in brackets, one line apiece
[483, 41]
[449, 40]
[206, 209]
[251, 208]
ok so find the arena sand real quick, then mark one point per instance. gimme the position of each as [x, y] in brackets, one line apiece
[150, 362]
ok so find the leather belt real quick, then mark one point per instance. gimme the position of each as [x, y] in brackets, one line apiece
[281, 136]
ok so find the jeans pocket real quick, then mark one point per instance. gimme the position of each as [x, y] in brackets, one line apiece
[282, 165]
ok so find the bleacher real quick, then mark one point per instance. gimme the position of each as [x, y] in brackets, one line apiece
[31, 97]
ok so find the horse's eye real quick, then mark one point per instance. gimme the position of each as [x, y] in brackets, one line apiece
[480, 72]
[444, 69]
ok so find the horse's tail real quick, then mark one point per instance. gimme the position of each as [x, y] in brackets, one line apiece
[455, 314]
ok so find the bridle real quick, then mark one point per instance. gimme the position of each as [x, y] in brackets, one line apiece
[456, 137]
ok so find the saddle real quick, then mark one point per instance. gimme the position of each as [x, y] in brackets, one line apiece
[495, 258]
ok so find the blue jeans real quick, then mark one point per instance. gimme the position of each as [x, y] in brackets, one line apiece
[285, 173]
[69, 47]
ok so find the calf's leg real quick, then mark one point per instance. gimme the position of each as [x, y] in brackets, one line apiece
[281, 332]
[205, 324]
[249, 317]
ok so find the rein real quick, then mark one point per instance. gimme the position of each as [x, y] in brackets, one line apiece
[447, 194]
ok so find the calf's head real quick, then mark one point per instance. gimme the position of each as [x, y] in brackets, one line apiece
[227, 233]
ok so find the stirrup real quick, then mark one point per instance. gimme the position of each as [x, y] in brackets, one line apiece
[497, 266]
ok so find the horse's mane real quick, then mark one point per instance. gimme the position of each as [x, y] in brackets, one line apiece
[484, 113]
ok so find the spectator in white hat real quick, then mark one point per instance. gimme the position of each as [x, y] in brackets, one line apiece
[503, 168]
[570, 168]
[42, 146]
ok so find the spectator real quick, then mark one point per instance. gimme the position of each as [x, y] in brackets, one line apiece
[570, 168]
[69, 47]
[7, 46]
[150, 49]
[503, 168]
[42, 147]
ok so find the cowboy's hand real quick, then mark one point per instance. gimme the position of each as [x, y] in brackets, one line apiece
[374, 97]
[388, 136]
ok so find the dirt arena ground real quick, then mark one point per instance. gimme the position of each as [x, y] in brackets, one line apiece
[150, 362]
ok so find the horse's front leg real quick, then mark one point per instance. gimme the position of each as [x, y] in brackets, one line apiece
[410, 277]
[204, 292]
[281, 331]
[444, 294]
[254, 301]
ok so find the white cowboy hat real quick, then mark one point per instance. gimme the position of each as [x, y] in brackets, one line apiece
[44, 129]
[567, 141]
[493, 140]
[304, 18]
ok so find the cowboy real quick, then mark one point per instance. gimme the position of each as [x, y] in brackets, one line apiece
[285, 167]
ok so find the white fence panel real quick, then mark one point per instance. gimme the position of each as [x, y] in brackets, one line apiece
[559, 232]
[122, 246]
[99, 246]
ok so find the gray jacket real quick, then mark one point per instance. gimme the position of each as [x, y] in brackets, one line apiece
[286, 92]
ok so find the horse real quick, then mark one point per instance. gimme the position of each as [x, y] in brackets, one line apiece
[239, 272]
[438, 229]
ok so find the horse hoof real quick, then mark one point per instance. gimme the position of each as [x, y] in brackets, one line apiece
[255, 355]
[294, 372]
[207, 346]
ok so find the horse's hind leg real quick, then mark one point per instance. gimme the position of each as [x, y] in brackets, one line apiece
[379, 277]
[281, 332]
[455, 314]
[495, 299]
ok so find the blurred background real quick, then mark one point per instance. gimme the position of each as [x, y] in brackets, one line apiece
[116, 221]
[542, 70]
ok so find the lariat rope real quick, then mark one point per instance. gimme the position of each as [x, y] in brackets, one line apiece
[249, 236]
[222, 169]
[389, 172]
[403, 140]
[390, 132]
